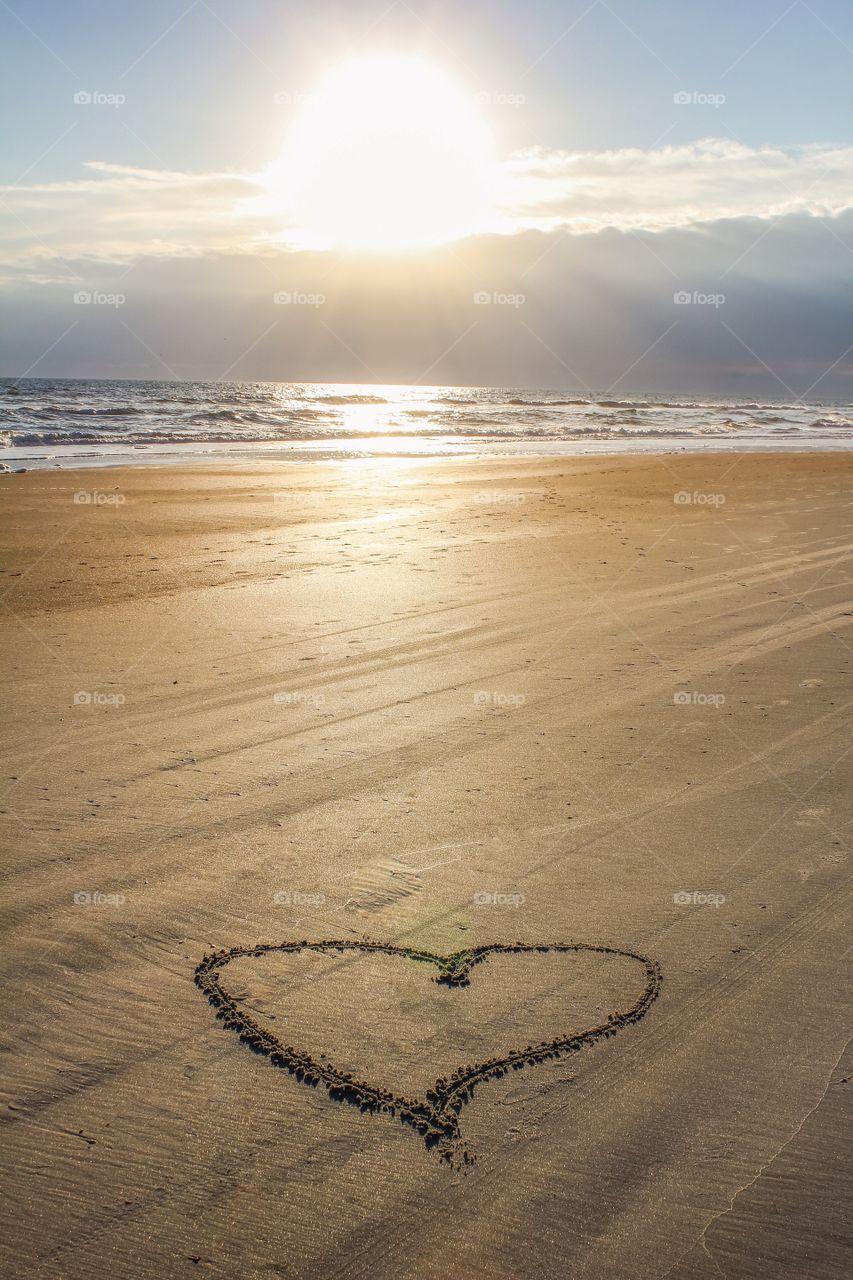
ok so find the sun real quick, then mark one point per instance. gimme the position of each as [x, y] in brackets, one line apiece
[389, 153]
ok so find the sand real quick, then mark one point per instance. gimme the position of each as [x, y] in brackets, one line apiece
[439, 706]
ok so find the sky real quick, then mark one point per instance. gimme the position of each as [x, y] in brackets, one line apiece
[668, 193]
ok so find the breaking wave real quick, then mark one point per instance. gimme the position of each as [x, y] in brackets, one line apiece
[46, 419]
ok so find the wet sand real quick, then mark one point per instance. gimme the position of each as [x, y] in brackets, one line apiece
[437, 706]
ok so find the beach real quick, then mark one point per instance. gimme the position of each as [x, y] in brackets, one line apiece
[589, 712]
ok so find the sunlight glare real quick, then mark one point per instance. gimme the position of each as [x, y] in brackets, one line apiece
[388, 154]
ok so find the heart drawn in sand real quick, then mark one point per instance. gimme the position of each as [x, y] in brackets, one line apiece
[436, 1115]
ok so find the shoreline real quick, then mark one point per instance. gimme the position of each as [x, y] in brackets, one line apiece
[299, 453]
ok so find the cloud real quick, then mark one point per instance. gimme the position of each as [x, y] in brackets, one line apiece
[598, 311]
[674, 186]
[119, 214]
[116, 214]
[596, 243]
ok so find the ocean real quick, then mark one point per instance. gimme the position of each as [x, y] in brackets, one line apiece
[56, 422]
